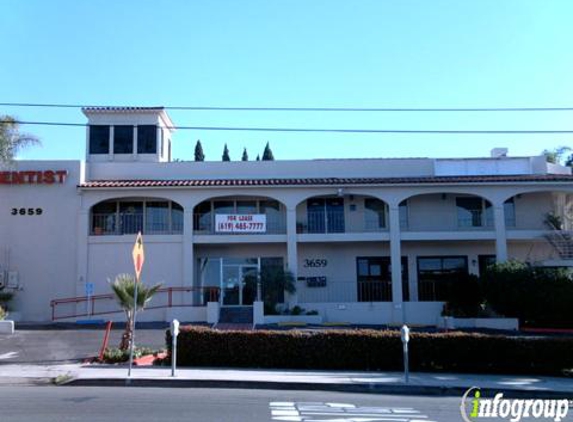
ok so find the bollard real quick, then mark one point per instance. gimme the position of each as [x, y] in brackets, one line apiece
[405, 336]
[174, 334]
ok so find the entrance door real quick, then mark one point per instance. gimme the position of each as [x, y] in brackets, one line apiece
[239, 285]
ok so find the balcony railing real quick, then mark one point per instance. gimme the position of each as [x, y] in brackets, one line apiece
[204, 224]
[131, 223]
[335, 222]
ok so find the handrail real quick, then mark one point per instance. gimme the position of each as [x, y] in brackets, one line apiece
[213, 295]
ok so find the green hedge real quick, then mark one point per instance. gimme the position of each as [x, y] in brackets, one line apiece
[373, 350]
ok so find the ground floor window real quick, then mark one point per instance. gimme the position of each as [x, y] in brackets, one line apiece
[374, 279]
[436, 273]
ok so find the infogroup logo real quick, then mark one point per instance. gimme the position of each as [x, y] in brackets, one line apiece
[474, 407]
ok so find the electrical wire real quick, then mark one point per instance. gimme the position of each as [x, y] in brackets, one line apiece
[311, 130]
[307, 109]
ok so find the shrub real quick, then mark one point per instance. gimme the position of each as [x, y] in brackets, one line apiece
[117, 355]
[537, 296]
[372, 350]
[466, 296]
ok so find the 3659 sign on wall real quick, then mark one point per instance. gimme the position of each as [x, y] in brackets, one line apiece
[240, 223]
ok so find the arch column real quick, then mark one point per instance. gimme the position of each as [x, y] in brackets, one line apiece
[292, 248]
[188, 255]
[500, 233]
[82, 256]
[396, 264]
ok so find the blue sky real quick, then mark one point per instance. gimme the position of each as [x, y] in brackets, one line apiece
[296, 53]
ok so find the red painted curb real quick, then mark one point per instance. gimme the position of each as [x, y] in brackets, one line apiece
[148, 360]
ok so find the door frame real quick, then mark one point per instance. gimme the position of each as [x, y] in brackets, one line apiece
[241, 268]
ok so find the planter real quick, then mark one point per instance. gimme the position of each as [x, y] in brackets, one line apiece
[6, 327]
[451, 323]
[308, 319]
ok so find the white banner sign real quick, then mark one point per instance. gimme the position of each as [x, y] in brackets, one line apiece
[240, 223]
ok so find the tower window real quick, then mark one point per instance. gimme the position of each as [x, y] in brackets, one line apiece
[147, 139]
[123, 139]
[99, 139]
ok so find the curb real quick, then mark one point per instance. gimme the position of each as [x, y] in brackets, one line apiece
[20, 381]
[348, 388]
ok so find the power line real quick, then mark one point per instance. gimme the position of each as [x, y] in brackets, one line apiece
[312, 109]
[311, 130]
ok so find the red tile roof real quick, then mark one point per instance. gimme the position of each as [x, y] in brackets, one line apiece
[105, 109]
[559, 178]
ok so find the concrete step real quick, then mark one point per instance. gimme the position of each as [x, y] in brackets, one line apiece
[234, 326]
[240, 314]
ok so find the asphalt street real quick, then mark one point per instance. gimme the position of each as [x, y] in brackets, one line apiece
[53, 346]
[56, 404]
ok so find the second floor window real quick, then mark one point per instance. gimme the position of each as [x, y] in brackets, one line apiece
[325, 215]
[478, 212]
[470, 212]
[374, 213]
[205, 212]
[153, 216]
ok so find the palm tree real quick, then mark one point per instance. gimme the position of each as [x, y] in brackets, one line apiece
[124, 288]
[12, 140]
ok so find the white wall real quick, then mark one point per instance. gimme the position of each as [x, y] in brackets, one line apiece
[42, 249]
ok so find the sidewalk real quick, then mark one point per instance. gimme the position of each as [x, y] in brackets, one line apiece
[367, 382]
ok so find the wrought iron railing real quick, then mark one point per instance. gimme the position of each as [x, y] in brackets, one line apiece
[131, 223]
[104, 304]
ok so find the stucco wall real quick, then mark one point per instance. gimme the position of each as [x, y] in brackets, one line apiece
[40, 248]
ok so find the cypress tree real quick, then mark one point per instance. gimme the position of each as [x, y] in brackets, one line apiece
[258, 157]
[226, 154]
[245, 156]
[199, 156]
[268, 154]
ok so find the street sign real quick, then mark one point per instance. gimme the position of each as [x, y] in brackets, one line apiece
[138, 255]
[89, 289]
[138, 259]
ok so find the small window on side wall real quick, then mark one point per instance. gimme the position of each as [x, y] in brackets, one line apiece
[99, 139]
[147, 139]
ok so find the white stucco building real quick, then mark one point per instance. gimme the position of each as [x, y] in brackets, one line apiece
[368, 240]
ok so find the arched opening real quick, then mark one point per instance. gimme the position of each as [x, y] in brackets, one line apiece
[121, 216]
[240, 215]
[344, 213]
[451, 212]
[545, 215]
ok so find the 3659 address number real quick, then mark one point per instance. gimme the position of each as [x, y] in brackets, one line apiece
[315, 263]
[27, 211]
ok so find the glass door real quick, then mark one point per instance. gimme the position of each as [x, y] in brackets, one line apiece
[239, 283]
[249, 284]
[231, 285]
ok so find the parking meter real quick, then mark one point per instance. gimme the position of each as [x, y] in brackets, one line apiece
[174, 334]
[405, 336]
[175, 328]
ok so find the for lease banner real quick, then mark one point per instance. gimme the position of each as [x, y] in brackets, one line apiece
[240, 223]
